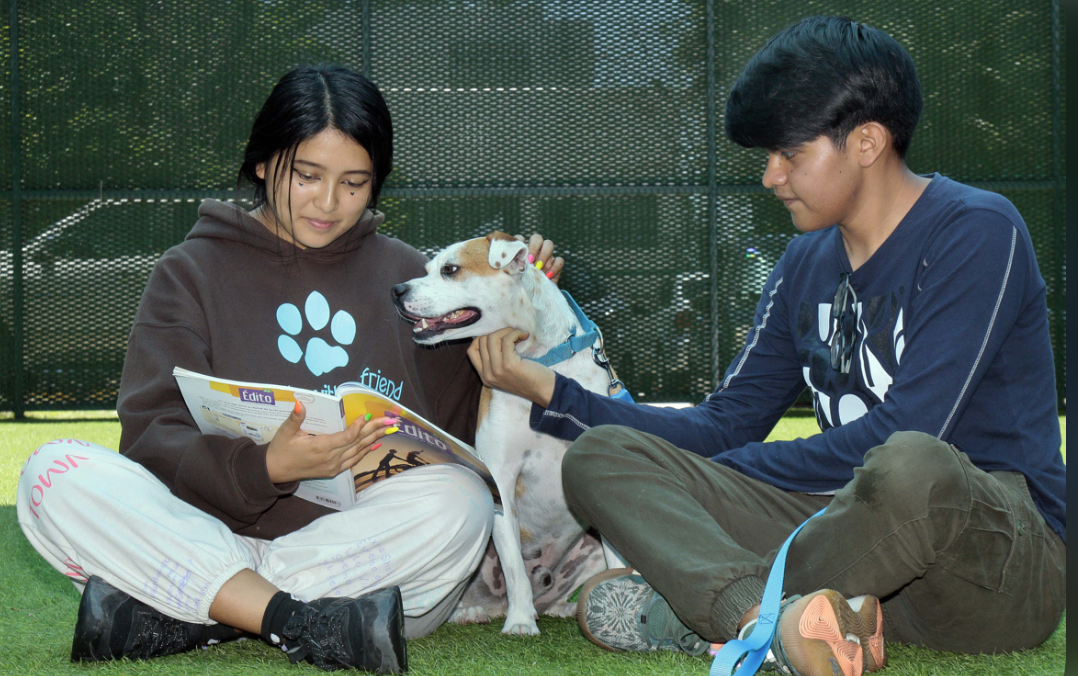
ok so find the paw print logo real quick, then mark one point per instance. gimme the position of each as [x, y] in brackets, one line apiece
[319, 356]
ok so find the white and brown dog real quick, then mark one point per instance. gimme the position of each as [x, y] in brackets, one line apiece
[471, 289]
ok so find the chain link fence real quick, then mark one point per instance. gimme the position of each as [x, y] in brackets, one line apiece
[595, 122]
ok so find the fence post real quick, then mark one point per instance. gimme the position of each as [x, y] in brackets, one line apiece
[16, 355]
[712, 193]
[1059, 212]
[365, 16]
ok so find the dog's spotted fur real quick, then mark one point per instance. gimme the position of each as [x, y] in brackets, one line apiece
[540, 553]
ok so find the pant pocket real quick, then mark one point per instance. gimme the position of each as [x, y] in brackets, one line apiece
[982, 552]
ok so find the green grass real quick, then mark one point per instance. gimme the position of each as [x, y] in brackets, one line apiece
[37, 610]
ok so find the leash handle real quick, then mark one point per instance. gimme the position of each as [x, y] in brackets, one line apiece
[746, 656]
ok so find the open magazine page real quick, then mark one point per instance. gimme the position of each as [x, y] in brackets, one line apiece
[418, 442]
[254, 410]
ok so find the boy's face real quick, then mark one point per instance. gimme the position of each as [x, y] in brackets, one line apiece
[817, 182]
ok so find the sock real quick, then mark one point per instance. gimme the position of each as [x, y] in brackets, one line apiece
[278, 612]
[212, 634]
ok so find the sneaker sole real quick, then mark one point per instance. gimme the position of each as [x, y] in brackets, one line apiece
[870, 615]
[91, 640]
[582, 602]
[817, 644]
[386, 649]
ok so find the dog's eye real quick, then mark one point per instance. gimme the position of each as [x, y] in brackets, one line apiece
[449, 270]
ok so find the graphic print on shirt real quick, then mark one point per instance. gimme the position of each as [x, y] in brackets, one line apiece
[318, 355]
[840, 398]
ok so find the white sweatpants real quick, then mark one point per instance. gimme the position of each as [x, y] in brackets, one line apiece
[91, 511]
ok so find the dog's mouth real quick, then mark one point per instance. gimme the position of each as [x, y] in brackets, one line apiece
[429, 327]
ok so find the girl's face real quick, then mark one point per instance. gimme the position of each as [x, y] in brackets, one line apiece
[325, 194]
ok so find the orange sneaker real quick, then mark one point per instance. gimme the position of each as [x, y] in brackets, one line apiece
[823, 634]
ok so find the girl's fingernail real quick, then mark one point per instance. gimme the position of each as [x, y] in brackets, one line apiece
[391, 421]
[367, 417]
[376, 446]
[550, 275]
[296, 408]
[531, 258]
[538, 265]
[392, 430]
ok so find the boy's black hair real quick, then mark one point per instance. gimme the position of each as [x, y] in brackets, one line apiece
[824, 76]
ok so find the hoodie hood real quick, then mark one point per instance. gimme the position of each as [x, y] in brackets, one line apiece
[228, 221]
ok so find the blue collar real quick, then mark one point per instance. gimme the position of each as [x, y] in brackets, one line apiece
[572, 344]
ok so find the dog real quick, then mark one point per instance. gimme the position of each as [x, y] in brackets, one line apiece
[471, 289]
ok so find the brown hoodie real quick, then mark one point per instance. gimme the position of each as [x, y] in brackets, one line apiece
[228, 302]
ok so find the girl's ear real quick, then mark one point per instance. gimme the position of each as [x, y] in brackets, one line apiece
[260, 170]
[507, 253]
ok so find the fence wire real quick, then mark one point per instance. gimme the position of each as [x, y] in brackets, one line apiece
[597, 123]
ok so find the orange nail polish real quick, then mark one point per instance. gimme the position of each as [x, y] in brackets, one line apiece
[297, 408]
[376, 446]
[550, 275]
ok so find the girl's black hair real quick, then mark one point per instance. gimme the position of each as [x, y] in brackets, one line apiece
[306, 101]
[824, 76]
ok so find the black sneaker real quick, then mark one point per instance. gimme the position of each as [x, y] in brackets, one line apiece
[112, 624]
[362, 633]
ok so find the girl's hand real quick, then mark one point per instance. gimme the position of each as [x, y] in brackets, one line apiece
[499, 366]
[541, 254]
[293, 454]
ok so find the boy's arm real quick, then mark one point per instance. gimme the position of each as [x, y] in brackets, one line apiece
[761, 383]
[973, 285]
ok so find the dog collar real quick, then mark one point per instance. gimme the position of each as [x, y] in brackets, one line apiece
[572, 344]
[591, 338]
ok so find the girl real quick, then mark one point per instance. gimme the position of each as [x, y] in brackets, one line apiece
[186, 539]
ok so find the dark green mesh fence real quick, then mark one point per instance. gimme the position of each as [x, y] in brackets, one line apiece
[597, 123]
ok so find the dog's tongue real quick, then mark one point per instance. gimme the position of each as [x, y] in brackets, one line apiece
[445, 321]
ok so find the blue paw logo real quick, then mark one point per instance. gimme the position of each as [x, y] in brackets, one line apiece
[319, 356]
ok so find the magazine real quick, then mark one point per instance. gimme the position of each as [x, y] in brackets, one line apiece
[255, 410]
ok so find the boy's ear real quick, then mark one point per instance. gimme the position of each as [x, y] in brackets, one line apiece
[872, 141]
[507, 253]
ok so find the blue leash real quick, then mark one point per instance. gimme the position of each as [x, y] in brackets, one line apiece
[754, 648]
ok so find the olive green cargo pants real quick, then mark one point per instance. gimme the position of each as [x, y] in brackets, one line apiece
[960, 557]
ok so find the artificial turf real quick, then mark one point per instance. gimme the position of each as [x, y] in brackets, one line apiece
[37, 610]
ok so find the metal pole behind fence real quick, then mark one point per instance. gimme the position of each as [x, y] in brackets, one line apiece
[16, 356]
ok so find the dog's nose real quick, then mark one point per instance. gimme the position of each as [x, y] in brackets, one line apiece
[398, 292]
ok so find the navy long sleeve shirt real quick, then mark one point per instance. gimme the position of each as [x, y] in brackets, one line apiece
[952, 340]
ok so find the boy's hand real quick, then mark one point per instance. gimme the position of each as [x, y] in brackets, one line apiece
[293, 454]
[541, 255]
[495, 358]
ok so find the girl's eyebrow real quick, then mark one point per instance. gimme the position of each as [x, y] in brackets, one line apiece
[319, 166]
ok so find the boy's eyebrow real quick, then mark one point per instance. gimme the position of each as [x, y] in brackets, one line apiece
[319, 166]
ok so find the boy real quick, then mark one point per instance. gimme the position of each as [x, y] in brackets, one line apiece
[913, 308]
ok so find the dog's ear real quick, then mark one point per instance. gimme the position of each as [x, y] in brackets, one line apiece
[507, 253]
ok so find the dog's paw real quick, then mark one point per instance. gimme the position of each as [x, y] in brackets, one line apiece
[529, 628]
[561, 609]
[470, 615]
[521, 623]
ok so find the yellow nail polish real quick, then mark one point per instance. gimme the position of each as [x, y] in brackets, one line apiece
[539, 265]
[367, 417]
[392, 430]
